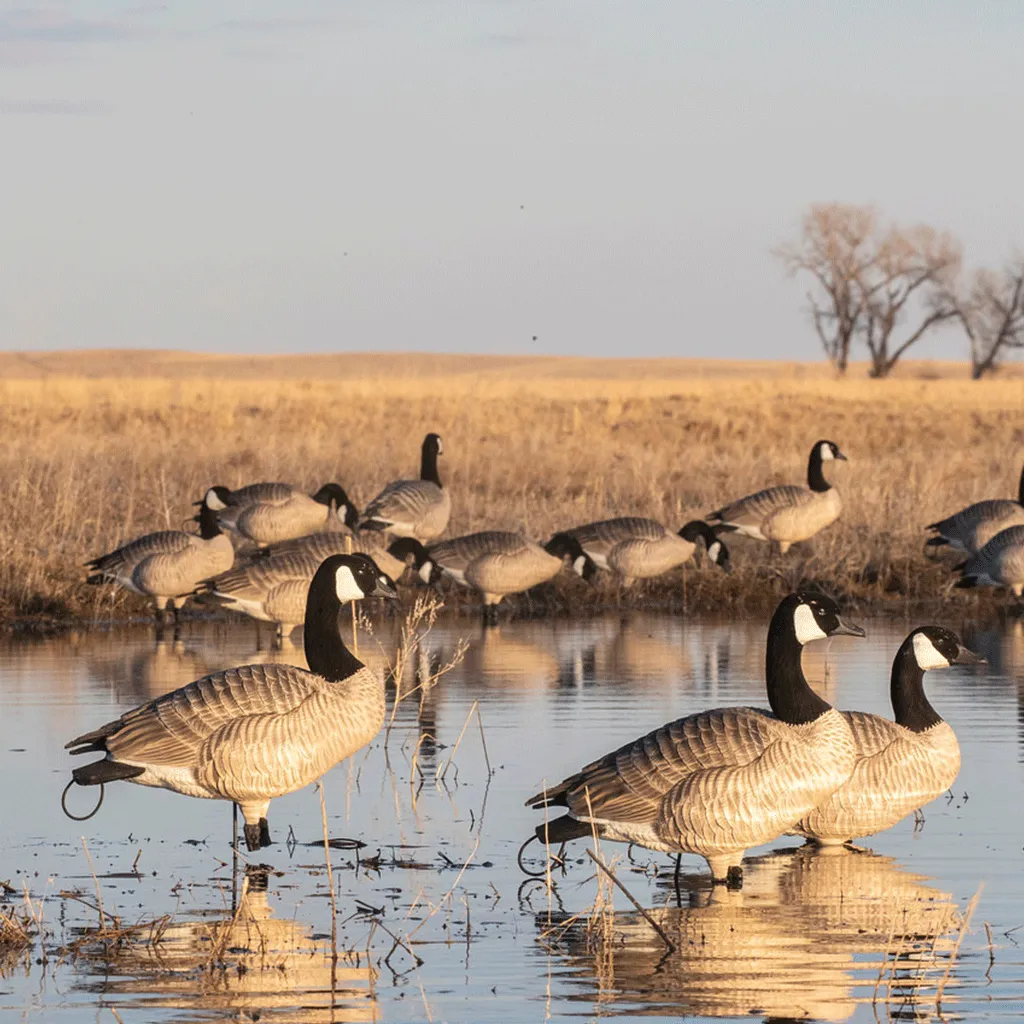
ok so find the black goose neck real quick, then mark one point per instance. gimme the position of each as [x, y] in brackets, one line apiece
[698, 528]
[209, 527]
[791, 698]
[326, 652]
[815, 474]
[562, 544]
[428, 463]
[910, 705]
[1020, 488]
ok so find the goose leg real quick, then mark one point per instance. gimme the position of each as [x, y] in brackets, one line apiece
[265, 839]
[255, 815]
[252, 836]
[676, 875]
[734, 877]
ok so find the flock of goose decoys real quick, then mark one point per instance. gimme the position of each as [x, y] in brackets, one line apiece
[713, 783]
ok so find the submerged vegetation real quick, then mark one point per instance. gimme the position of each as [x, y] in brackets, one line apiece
[93, 461]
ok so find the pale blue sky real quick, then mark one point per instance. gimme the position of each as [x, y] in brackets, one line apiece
[424, 174]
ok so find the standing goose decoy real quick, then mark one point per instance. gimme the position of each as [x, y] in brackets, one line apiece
[256, 732]
[497, 563]
[167, 565]
[901, 765]
[413, 508]
[787, 514]
[269, 513]
[272, 587]
[640, 548]
[1000, 563]
[972, 528]
[718, 782]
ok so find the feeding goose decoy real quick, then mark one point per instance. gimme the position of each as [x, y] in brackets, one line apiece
[167, 565]
[973, 527]
[787, 514]
[272, 586]
[413, 508]
[1000, 563]
[638, 548]
[497, 563]
[901, 765]
[256, 732]
[269, 513]
[718, 782]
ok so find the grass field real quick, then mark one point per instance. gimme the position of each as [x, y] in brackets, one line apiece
[101, 447]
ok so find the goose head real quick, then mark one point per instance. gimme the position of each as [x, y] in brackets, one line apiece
[334, 494]
[812, 616]
[406, 548]
[718, 553]
[217, 498]
[937, 647]
[565, 545]
[827, 451]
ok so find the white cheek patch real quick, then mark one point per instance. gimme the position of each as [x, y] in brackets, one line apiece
[927, 654]
[579, 565]
[826, 452]
[807, 628]
[714, 551]
[346, 586]
[213, 502]
[425, 571]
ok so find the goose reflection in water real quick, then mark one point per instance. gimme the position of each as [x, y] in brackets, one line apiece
[249, 965]
[807, 936]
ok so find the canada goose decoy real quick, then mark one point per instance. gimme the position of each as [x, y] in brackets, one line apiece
[787, 514]
[718, 782]
[900, 765]
[413, 508]
[638, 548]
[1000, 563]
[272, 587]
[972, 528]
[167, 565]
[270, 512]
[256, 732]
[497, 563]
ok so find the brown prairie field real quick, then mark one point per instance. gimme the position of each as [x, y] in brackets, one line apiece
[101, 447]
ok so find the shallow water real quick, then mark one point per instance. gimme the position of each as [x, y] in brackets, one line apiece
[846, 936]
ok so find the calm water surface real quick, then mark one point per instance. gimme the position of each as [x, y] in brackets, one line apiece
[853, 935]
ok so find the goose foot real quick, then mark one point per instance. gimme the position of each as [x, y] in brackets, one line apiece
[252, 836]
[264, 828]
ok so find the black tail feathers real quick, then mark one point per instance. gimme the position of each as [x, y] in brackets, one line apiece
[104, 771]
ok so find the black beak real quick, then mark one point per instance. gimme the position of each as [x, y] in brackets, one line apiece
[385, 588]
[966, 657]
[846, 629]
[196, 504]
[840, 455]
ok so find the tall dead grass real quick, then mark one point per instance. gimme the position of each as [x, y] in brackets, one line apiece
[89, 463]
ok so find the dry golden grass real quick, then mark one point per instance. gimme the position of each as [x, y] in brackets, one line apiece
[91, 461]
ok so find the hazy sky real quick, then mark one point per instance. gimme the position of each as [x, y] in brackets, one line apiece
[609, 177]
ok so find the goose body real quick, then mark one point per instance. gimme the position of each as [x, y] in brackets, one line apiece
[637, 548]
[718, 782]
[413, 508]
[497, 563]
[900, 765]
[972, 528]
[269, 513]
[167, 565]
[787, 514]
[273, 586]
[1000, 563]
[256, 732]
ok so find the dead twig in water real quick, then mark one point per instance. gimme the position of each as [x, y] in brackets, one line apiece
[964, 925]
[647, 917]
[330, 880]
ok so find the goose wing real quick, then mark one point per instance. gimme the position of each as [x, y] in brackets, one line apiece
[457, 554]
[406, 503]
[752, 510]
[164, 542]
[265, 493]
[170, 730]
[1001, 560]
[973, 527]
[629, 784]
[599, 539]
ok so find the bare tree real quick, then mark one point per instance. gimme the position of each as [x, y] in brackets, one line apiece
[870, 281]
[917, 263]
[991, 310]
[836, 247]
